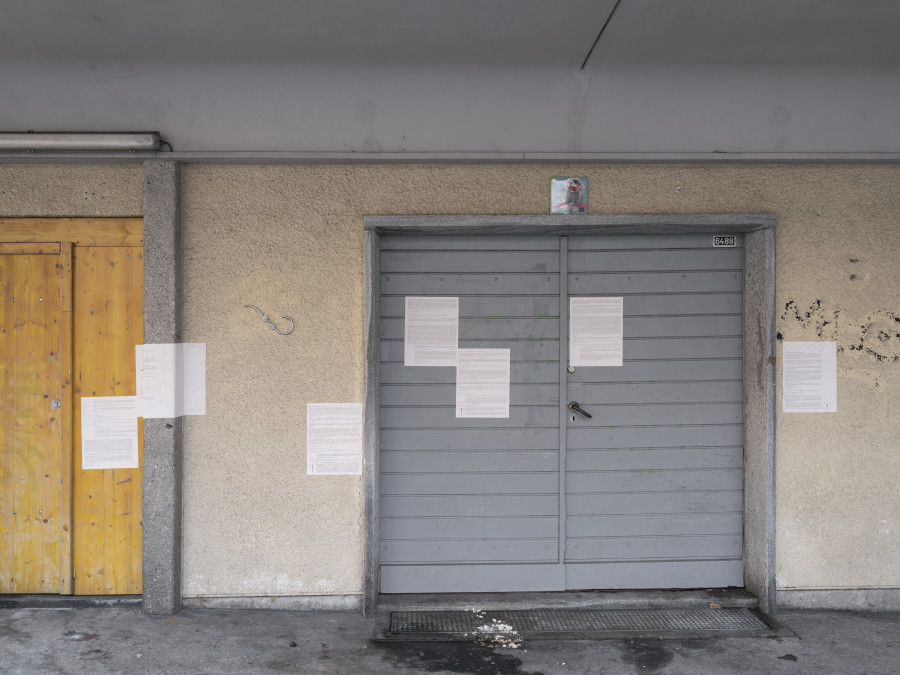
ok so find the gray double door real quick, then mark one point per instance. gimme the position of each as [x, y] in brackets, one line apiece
[647, 493]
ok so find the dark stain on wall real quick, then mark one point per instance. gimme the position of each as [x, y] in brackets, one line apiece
[877, 335]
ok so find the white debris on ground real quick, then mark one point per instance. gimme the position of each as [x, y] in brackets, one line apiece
[496, 633]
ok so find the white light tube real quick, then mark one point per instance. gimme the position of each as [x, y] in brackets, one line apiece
[61, 142]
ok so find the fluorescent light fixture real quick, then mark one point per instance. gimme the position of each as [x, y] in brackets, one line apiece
[63, 142]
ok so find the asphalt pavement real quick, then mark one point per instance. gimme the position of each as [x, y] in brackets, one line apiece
[120, 639]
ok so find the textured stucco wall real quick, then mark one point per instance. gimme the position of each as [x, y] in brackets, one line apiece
[289, 239]
[104, 190]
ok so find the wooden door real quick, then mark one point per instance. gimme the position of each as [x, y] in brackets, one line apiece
[34, 491]
[71, 332]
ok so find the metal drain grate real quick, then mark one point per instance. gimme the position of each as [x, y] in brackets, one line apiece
[580, 620]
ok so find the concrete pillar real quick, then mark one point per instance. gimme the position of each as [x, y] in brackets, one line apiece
[162, 477]
[759, 416]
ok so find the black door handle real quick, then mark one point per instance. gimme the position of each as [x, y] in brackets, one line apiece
[573, 406]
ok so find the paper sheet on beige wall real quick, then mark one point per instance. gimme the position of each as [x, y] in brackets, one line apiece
[333, 439]
[809, 377]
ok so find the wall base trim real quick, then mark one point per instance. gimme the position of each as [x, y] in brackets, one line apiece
[877, 599]
[331, 603]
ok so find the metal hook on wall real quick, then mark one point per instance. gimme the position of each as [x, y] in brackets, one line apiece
[272, 325]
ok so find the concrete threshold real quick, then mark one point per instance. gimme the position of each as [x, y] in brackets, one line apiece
[653, 599]
[67, 601]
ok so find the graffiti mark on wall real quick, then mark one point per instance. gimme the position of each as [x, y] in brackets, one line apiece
[875, 336]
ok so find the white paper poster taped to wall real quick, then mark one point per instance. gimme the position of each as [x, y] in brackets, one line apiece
[595, 331]
[809, 376]
[171, 379]
[193, 377]
[109, 435]
[431, 331]
[333, 439]
[482, 383]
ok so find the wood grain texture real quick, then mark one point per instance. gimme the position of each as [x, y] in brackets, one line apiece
[31, 429]
[106, 504]
[79, 231]
[64, 268]
[29, 249]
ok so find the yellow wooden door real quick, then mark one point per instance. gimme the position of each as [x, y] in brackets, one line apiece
[67, 530]
[34, 401]
[106, 503]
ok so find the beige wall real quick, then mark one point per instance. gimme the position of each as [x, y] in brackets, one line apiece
[289, 239]
[102, 190]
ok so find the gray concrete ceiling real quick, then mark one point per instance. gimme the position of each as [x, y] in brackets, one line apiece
[556, 33]
[327, 32]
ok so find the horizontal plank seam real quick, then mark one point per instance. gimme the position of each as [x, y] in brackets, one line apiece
[553, 273]
[509, 294]
[579, 515]
[572, 252]
[555, 317]
[506, 472]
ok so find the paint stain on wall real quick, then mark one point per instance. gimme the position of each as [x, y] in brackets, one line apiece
[874, 336]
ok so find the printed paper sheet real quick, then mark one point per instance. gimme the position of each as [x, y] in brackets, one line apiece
[595, 331]
[171, 379]
[482, 383]
[431, 331]
[333, 439]
[809, 376]
[109, 434]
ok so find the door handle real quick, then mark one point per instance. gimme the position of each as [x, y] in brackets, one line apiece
[574, 407]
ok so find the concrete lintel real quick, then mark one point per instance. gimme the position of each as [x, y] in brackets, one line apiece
[302, 603]
[679, 223]
[162, 470]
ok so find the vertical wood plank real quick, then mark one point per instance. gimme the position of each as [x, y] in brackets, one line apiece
[7, 402]
[48, 381]
[64, 263]
[32, 428]
[87, 301]
[108, 320]
[23, 471]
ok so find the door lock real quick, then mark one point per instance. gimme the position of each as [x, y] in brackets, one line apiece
[574, 407]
